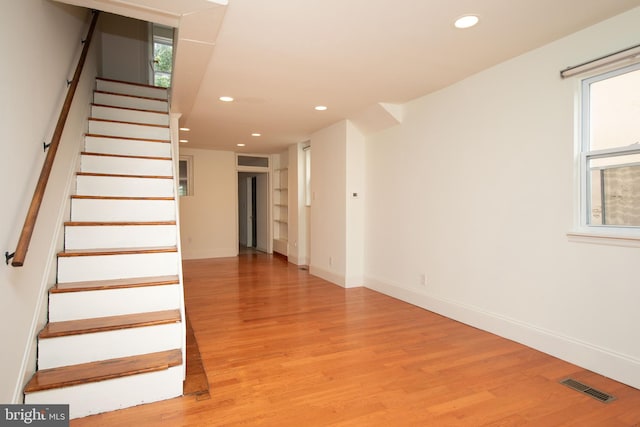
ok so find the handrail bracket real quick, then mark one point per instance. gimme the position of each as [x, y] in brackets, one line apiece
[8, 256]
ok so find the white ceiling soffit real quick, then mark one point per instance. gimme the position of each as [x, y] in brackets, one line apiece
[165, 12]
[196, 38]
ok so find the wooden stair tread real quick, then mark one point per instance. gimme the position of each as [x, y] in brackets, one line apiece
[128, 138]
[114, 223]
[122, 175]
[96, 285]
[68, 376]
[85, 197]
[130, 96]
[116, 251]
[129, 108]
[110, 323]
[105, 79]
[126, 156]
[95, 119]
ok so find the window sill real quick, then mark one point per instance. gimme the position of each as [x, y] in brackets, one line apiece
[604, 239]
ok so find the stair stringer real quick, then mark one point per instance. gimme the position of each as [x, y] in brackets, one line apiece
[175, 156]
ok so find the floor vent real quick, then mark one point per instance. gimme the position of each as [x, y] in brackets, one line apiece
[583, 388]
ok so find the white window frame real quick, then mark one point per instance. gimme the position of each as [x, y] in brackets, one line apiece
[307, 175]
[189, 162]
[602, 233]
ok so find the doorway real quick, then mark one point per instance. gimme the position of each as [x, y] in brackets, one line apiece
[253, 209]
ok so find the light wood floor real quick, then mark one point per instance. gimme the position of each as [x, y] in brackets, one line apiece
[282, 348]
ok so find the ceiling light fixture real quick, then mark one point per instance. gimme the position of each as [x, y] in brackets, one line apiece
[256, 134]
[226, 99]
[184, 141]
[185, 129]
[320, 107]
[466, 21]
[240, 145]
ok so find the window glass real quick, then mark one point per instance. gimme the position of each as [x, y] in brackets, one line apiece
[307, 176]
[611, 148]
[615, 111]
[185, 176]
[162, 55]
[257, 161]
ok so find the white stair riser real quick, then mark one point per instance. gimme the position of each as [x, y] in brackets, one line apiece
[124, 186]
[106, 267]
[110, 395]
[128, 130]
[128, 115]
[55, 352]
[130, 89]
[112, 302]
[130, 102]
[127, 147]
[111, 236]
[125, 165]
[122, 210]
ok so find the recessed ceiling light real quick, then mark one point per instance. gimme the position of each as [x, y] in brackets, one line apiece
[320, 107]
[240, 145]
[226, 99]
[256, 134]
[185, 129]
[466, 21]
[184, 141]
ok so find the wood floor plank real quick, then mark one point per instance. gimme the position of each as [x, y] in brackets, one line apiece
[283, 348]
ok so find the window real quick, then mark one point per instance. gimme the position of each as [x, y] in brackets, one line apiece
[610, 152]
[254, 161]
[185, 176]
[162, 55]
[307, 175]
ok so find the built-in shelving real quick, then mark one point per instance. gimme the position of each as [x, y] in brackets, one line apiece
[281, 211]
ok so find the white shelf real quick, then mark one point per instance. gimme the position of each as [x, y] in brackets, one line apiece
[280, 211]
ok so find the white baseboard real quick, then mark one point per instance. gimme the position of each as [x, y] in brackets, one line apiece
[327, 275]
[213, 253]
[293, 259]
[619, 367]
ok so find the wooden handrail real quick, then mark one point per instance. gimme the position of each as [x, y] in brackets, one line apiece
[32, 214]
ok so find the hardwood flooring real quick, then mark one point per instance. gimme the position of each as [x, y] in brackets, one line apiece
[283, 348]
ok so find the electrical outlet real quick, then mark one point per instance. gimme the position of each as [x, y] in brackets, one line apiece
[423, 279]
[330, 260]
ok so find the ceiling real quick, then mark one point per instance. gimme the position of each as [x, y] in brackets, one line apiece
[360, 58]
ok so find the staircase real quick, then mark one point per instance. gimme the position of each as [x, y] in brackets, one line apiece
[115, 336]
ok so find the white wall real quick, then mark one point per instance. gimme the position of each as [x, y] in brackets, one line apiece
[475, 189]
[209, 218]
[297, 210]
[125, 49]
[355, 203]
[328, 203]
[40, 44]
[337, 215]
